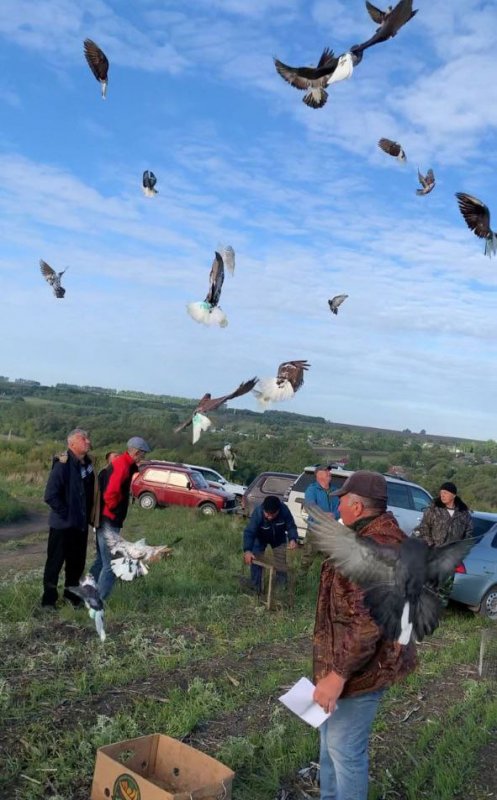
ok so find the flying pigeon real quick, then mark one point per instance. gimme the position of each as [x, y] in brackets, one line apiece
[88, 591]
[427, 182]
[390, 22]
[148, 184]
[208, 403]
[336, 302]
[230, 457]
[53, 278]
[289, 379]
[477, 216]
[98, 63]
[229, 259]
[329, 70]
[400, 581]
[209, 312]
[131, 558]
[392, 149]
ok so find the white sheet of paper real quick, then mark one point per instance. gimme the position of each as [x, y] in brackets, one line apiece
[299, 700]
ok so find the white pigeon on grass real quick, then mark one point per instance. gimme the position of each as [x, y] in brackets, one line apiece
[88, 592]
[131, 558]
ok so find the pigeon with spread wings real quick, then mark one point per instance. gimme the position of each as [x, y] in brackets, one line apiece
[148, 184]
[289, 379]
[209, 312]
[88, 592]
[400, 581]
[130, 559]
[98, 63]
[392, 148]
[53, 278]
[477, 217]
[314, 80]
[199, 421]
[336, 302]
[427, 182]
[390, 22]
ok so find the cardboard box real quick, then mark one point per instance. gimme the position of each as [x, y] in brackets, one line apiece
[157, 767]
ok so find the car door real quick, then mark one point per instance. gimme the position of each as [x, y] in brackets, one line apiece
[178, 491]
[155, 480]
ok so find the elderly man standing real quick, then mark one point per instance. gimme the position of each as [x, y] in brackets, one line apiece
[70, 494]
[352, 661]
[114, 508]
[317, 493]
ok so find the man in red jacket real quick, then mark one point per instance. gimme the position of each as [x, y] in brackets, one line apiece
[115, 501]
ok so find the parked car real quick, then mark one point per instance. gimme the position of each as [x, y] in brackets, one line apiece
[475, 582]
[163, 484]
[266, 483]
[406, 500]
[214, 477]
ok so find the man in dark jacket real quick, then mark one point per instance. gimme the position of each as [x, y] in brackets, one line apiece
[70, 494]
[353, 663]
[271, 523]
[114, 508]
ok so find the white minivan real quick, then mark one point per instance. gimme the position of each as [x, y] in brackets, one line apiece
[211, 476]
[406, 500]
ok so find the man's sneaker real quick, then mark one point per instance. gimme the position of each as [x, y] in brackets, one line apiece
[92, 613]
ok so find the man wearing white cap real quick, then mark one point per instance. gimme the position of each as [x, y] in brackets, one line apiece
[115, 502]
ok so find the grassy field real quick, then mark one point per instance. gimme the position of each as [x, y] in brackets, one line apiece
[191, 655]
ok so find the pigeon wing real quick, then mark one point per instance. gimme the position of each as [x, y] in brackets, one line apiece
[229, 259]
[360, 559]
[97, 60]
[214, 402]
[442, 561]
[375, 13]
[216, 278]
[389, 146]
[336, 301]
[430, 177]
[475, 213]
[48, 273]
[149, 179]
[308, 77]
[426, 614]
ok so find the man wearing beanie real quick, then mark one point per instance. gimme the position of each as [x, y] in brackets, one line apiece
[271, 523]
[446, 520]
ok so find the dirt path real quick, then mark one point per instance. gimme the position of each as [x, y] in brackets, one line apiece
[35, 523]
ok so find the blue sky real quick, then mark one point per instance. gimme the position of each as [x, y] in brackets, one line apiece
[310, 204]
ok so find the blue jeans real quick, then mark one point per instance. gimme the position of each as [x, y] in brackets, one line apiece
[343, 760]
[101, 568]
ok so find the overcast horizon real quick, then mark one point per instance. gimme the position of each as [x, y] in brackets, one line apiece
[310, 204]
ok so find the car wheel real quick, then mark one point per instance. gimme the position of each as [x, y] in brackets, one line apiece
[147, 501]
[208, 509]
[488, 606]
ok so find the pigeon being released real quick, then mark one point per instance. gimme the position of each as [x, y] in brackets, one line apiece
[199, 421]
[209, 312]
[477, 217]
[53, 278]
[400, 582]
[427, 182]
[392, 149]
[336, 302]
[314, 80]
[289, 379]
[88, 591]
[131, 558]
[98, 63]
[148, 184]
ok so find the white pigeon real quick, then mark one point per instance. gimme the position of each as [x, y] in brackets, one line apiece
[289, 379]
[131, 558]
[88, 592]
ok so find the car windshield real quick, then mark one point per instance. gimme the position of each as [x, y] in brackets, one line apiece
[199, 480]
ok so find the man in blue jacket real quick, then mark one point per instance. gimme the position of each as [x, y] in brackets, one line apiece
[70, 495]
[271, 523]
[317, 493]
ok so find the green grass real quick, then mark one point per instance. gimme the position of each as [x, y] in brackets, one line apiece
[10, 508]
[189, 655]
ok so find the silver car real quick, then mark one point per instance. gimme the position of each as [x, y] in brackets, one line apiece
[406, 500]
[475, 582]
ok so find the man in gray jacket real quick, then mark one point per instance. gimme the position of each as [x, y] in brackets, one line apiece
[70, 494]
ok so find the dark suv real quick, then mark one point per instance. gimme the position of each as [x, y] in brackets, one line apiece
[266, 483]
[163, 484]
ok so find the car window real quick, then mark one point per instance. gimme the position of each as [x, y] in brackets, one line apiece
[303, 481]
[420, 498]
[178, 479]
[275, 484]
[209, 475]
[494, 541]
[156, 475]
[199, 480]
[481, 526]
[398, 495]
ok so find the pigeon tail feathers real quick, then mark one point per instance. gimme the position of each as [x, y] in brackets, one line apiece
[316, 98]
[491, 245]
